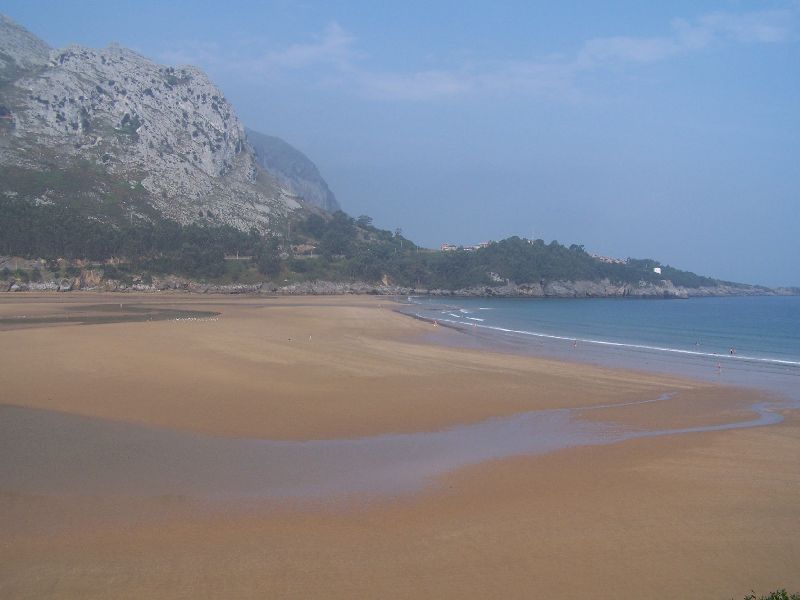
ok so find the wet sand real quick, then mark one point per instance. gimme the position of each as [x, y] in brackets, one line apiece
[696, 515]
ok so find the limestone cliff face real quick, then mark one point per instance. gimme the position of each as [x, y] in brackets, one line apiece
[293, 169]
[19, 49]
[166, 130]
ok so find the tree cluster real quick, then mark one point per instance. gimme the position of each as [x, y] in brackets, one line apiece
[159, 246]
[345, 249]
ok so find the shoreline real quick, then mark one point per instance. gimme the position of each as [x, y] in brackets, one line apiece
[403, 337]
[90, 281]
[765, 373]
[708, 514]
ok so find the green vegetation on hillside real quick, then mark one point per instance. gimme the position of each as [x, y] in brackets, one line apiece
[81, 190]
[331, 247]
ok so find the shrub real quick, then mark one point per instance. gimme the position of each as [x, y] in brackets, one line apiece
[776, 595]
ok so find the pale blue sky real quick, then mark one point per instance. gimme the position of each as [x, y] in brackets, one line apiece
[666, 130]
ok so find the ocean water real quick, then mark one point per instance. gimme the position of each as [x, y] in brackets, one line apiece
[752, 341]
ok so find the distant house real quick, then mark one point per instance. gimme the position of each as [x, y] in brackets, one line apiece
[479, 246]
[304, 249]
[609, 259]
[657, 270]
[453, 247]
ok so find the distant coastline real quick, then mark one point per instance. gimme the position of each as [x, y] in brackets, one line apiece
[87, 282]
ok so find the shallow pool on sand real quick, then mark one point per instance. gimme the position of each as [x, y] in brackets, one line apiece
[53, 453]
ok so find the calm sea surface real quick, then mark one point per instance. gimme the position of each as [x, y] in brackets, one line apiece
[745, 341]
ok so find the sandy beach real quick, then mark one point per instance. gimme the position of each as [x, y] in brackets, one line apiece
[701, 515]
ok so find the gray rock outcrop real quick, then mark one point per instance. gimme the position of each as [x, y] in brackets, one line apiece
[167, 133]
[20, 50]
[92, 279]
[293, 170]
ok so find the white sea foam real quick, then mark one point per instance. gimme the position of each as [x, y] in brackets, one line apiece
[606, 343]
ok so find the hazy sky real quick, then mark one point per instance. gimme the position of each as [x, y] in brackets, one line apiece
[668, 130]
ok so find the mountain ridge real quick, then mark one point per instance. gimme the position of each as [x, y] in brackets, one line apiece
[108, 157]
[293, 170]
[168, 132]
[19, 49]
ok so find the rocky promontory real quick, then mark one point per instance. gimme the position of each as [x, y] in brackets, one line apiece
[93, 278]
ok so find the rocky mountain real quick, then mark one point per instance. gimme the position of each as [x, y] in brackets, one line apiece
[19, 50]
[117, 135]
[293, 169]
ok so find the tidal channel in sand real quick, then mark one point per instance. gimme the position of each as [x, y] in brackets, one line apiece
[48, 452]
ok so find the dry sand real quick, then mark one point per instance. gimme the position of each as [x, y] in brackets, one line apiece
[707, 515]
